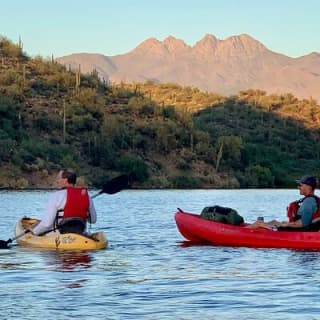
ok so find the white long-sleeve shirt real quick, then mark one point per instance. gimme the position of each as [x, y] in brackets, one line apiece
[57, 201]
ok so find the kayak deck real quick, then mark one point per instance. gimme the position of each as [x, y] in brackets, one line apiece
[57, 241]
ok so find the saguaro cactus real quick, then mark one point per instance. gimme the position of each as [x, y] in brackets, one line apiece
[23, 76]
[20, 44]
[78, 79]
[64, 121]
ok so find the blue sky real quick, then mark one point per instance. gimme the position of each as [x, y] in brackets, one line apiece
[110, 27]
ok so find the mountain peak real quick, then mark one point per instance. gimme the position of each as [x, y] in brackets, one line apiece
[150, 46]
[207, 45]
[150, 42]
[240, 45]
[244, 40]
[174, 45]
[208, 38]
[153, 46]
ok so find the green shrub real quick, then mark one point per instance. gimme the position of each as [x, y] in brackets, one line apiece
[185, 182]
[136, 167]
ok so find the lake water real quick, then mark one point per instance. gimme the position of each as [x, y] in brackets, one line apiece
[148, 271]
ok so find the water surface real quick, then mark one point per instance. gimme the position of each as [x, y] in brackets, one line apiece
[149, 271]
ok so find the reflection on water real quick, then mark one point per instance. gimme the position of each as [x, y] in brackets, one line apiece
[67, 261]
[54, 260]
[186, 243]
[77, 262]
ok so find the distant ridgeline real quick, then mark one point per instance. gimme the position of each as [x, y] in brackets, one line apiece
[226, 66]
[165, 135]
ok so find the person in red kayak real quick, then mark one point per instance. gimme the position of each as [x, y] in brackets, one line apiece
[69, 204]
[301, 213]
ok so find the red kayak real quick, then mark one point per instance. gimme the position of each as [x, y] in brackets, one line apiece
[197, 229]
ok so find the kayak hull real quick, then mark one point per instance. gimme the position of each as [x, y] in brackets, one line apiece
[57, 241]
[197, 229]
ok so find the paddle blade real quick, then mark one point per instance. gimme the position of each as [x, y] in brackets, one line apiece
[4, 244]
[115, 185]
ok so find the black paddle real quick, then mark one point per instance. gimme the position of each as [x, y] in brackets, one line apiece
[115, 185]
[4, 244]
[111, 187]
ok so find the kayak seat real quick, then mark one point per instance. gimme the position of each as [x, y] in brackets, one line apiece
[313, 227]
[72, 225]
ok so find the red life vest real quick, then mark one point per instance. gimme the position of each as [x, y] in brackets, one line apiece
[293, 207]
[77, 203]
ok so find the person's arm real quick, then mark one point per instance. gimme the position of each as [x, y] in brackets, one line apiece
[92, 212]
[47, 221]
[308, 208]
[293, 224]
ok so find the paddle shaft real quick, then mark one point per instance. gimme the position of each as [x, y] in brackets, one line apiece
[4, 244]
[97, 194]
[19, 236]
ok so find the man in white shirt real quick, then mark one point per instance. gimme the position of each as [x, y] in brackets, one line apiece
[68, 197]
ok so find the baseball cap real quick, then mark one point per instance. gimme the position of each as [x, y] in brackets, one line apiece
[309, 180]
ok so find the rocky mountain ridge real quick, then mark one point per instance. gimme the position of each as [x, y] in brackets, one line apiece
[224, 66]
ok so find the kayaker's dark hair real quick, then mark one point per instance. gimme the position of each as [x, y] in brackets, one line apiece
[69, 175]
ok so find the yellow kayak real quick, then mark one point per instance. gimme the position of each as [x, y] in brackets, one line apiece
[55, 240]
